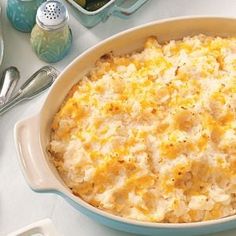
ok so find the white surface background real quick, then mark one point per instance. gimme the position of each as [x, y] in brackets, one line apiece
[19, 205]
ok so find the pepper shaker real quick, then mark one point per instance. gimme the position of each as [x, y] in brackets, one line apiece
[21, 13]
[51, 37]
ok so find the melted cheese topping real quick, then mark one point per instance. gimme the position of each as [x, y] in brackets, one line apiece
[151, 136]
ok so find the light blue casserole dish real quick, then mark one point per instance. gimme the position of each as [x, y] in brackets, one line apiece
[32, 134]
[91, 18]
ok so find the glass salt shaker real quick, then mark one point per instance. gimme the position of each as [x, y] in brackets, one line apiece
[51, 37]
[21, 13]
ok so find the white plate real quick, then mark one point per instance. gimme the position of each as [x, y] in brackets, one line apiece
[1, 38]
[39, 228]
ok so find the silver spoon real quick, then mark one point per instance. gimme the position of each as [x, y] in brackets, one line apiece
[37, 83]
[8, 82]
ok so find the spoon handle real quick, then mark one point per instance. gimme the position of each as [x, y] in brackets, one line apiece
[11, 103]
[37, 83]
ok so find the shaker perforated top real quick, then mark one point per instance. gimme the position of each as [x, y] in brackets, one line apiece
[52, 15]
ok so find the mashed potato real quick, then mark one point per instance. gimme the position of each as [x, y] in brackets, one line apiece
[151, 135]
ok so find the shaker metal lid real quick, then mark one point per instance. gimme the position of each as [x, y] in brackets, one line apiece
[52, 15]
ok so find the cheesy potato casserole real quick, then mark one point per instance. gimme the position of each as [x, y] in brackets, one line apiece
[151, 135]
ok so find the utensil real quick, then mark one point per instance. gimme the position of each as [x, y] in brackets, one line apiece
[37, 83]
[33, 134]
[8, 82]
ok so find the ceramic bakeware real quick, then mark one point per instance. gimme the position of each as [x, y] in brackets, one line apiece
[32, 134]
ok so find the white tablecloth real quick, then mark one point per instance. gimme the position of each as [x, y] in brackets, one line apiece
[19, 205]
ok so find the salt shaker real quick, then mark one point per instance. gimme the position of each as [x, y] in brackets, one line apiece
[51, 37]
[21, 13]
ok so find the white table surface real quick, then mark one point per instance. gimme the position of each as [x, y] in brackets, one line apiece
[19, 205]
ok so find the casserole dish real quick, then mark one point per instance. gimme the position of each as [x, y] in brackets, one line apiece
[32, 134]
[113, 7]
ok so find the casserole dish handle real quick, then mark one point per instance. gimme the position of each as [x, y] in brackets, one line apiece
[125, 12]
[31, 158]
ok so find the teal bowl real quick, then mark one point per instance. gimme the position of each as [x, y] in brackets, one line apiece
[32, 134]
[113, 7]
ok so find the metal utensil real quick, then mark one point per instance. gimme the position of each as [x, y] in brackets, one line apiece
[8, 82]
[37, 83]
